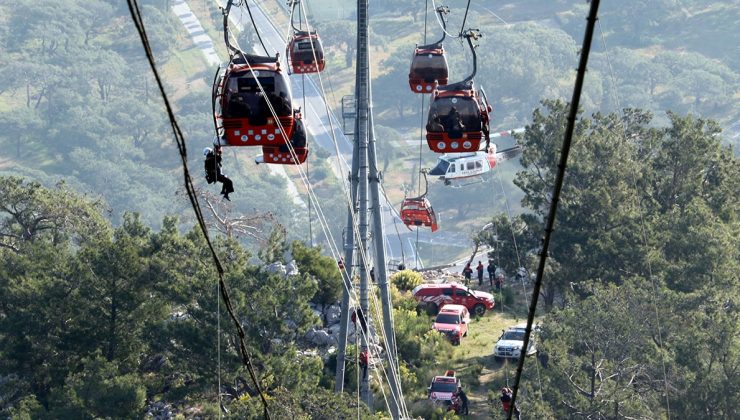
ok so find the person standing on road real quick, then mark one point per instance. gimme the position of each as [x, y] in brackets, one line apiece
[467, 272]
[479, 268]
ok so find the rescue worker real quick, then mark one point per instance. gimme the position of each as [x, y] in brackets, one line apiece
[463, 400]
[491, 271]
[506, 397]
[499, 281]
[479, 269]
[214, 173]
[364, 360]
[467, 272]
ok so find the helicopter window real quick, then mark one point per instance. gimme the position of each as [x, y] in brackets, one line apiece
[441, 167]
[478, 165]
[471, 165]
[452, 169]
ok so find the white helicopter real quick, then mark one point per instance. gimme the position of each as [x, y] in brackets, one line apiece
[452, 168]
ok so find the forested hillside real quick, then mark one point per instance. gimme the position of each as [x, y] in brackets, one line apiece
[78, 103]
[109, 301]
[640, 296]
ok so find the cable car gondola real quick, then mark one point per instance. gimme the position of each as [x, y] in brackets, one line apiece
[243, 98]
[458, 114]
[429, 63]
[418, 211]
[282, 155]
[304, 51]
[300, 51]
[247, 98]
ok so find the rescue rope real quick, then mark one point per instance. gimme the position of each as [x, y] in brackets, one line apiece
[562, 165]
[421, 132]
[192, 196]
[324, 224]
[643, 230]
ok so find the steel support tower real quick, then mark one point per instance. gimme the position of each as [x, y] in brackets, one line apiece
[366, 178]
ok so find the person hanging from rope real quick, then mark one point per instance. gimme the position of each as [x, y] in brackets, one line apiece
[506, 397]
[521, 274]
[479, 269]
[357, 313]
[491, 271]
[467, 272]
[213, 170]
[364, 360]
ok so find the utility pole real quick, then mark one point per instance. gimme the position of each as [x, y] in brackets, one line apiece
[381, 275]
[349, 246]
[366, 178]
[362, 80]
[358, 180]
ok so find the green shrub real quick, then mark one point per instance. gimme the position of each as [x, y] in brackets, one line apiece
[406, 279]
[508, 296]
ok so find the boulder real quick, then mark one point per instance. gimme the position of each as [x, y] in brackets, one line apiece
[320, 338]
[334, 329]
[276, 268]
[292, 268]
[333, 314]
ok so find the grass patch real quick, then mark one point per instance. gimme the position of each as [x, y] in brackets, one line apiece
[480, 374]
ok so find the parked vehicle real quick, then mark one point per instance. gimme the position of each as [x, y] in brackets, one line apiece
[509, 345]
[432, 296]
[452, 321]
[443, 391]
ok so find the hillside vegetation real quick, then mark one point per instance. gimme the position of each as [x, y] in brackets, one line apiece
[109, 301]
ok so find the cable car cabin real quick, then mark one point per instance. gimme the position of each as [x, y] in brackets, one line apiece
[428, 68]
[241, 106]
[300, 52]
[458, 119]
[282, 155]
[418, 211]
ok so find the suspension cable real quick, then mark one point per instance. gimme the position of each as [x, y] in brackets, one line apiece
[421, 129]
[254, 25]
[192, 196]
[441, 23]
[395, 216]
[322, 219]
[562, 165]
[321, 216]
[643, 230]
[465, 18]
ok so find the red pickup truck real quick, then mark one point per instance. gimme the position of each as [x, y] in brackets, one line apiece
[433, 296]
